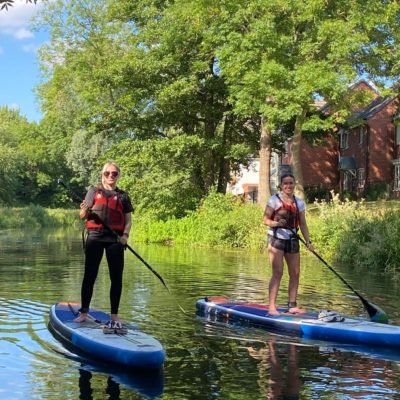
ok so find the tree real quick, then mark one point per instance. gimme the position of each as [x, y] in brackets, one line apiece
[160, 174]
[299, 51]
[143, 71]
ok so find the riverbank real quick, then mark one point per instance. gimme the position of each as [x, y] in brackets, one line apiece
[35, 217]
[360, 234]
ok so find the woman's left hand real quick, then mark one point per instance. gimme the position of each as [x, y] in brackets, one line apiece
[310, 246]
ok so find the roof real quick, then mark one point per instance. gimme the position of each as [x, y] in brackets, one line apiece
[372, 108]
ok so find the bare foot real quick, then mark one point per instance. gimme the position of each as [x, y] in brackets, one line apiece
[273, 311]
[295, 310]
[82, 317]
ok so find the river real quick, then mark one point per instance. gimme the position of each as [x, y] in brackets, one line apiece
[205, 360]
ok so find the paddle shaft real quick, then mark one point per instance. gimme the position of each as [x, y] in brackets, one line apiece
[371, 309]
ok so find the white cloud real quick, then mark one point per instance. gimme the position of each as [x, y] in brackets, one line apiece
[30, 48]
[15, 21]
[13, 106]
[23, 33]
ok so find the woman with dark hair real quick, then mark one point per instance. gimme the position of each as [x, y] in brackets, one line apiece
[107, 210]
[284, 214]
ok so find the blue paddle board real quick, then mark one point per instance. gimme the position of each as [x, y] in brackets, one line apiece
[309, 325]
[134, 349]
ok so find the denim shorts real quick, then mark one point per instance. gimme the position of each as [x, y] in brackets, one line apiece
[286, 245]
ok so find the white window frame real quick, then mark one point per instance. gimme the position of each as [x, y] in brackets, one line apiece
[363, 134]
[347, 181]
[361, 177]
[396, 181]
[397, 134]
[344, 139]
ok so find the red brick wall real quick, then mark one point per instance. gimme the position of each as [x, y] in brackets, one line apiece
[319, 163]
[381, 146]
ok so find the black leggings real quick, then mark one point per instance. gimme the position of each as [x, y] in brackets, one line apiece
[94, 250]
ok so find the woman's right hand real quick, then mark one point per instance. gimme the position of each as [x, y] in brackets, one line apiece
[281, 223]
[84, 209]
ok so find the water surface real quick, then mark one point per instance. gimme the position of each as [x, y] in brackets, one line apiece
[205, 360]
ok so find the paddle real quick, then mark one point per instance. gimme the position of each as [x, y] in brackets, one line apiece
[115, 234]
[375, 313]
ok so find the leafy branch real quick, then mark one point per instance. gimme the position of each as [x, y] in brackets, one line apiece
[9, 3]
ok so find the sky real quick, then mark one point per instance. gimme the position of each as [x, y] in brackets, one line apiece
[19, 70]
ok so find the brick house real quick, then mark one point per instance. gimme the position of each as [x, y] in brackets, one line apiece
[358, 160]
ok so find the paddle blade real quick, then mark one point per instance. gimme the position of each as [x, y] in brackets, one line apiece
[377, 314]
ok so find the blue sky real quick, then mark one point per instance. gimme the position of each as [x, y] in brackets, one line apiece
[19, 71]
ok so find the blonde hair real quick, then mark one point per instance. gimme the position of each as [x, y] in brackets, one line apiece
[108, 164]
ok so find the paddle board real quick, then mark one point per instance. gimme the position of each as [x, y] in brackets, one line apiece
[134, 349]
[308, 325]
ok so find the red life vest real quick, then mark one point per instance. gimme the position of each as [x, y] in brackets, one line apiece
[109, 209]
[288, 211]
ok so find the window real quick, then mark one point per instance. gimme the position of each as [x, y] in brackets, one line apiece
[286, 148]
[363, 134]
[347, 181]
[344, 139]
[397, 134]
[361, 177]
[396, 183]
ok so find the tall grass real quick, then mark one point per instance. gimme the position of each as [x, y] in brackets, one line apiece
[221, 221]
[359, 234]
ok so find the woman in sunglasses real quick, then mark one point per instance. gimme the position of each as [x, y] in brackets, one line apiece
[107, 210]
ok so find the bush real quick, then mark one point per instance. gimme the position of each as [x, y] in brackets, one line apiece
[34, 216]
[221, 220]
[378, 191]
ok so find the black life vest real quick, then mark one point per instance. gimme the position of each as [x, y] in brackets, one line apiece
[109, 209]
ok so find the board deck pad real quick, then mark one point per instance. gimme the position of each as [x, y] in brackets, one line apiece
[134, 349]
[349, 330]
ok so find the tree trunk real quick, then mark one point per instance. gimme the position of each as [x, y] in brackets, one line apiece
[224, 164]
[264, 187]
[296, 155]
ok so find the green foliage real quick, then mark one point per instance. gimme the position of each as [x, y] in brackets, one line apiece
[378, 191]
[221, 221]
[317, 194]
[30, 160]
[34, 216]
[159, 80]
[331, 222]
[161, 175]
[357, 234]
[373, 242]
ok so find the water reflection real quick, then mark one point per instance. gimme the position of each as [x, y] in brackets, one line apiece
[205, 360]
[149, 383]
[279, 373]
[150, 386]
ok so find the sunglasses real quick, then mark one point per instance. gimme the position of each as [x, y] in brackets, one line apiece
[112, 173]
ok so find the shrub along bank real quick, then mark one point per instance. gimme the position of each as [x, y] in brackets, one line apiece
[357, 234]
[34, 216]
